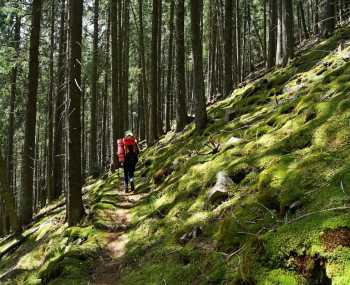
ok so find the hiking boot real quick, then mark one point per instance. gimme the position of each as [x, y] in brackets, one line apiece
[126, 188]
[132, 186]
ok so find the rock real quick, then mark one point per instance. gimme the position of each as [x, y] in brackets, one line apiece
[293, 89]
[232, 142]
[230, 115]
[219, 192]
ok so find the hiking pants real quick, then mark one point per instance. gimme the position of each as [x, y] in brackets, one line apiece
[129, 169]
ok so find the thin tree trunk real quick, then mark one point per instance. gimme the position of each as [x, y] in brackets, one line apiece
[287, 30]
[30, 116]
[328, 19]
[94, 79]
[159, 72]
[116, 132]
[144, 130]
[197, 52]
[105, 132]
[228, 47]
[303, 20]
[181, 108]
[125, 69]
[6, 195]
[170, 67]
[153, 130]
[58, 146]
[50, 187]
[11, 128]
[272, 33]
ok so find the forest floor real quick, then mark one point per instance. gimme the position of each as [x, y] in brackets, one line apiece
[107, 267]
[282, 143]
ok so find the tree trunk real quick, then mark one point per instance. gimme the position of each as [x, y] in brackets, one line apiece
[116, 132]
[159, 72]
[11, 128]
[58, 146]
[105, 132]
[6, 195]
[181, 108]
[170, 68]
[272, 34]
[153, 130]
[75, 209]
[197, 52]
[228, 47]
[302, 19]
[238, 44]
[316, 18]
[94, 79]
[125, 68]
[50, 187]
[328, 19]
[287, 30]
[280, 36]
[144, 126]
[30, 116]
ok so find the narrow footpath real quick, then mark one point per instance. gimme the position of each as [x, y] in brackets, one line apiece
[107, 268]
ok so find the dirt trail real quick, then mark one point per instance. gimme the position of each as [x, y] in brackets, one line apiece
[107, 267]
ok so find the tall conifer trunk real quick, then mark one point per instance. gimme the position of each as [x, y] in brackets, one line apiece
[30, 116]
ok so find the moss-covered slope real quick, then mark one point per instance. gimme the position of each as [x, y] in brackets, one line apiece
[287, 219]
[284, 141]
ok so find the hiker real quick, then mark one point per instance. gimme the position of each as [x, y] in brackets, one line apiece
[128, 151]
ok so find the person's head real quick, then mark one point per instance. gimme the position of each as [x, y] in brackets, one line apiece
[128, 133]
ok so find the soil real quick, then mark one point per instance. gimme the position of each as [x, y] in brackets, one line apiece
[107, 268]
[332, 239]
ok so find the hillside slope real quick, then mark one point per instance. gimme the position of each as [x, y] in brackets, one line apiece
[282, 144]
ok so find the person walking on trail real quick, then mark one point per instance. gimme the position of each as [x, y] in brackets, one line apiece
[128, 152]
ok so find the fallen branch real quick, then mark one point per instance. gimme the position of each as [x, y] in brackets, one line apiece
[317, 212]
[20, 239]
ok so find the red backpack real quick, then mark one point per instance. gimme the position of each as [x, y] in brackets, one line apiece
[125, 146]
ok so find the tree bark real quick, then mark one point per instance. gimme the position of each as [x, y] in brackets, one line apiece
[228, 67]
[94, 79]
[105, 132]
[116, 132]
[272, 34]
[170, 68]
[197, 52]
[50, 187]
[153, 130]
[6, 195]
[181, 108]
[287, 30]
[30, 116]
[125, 68]
[75, 210]
[11, 128]
[328, 19]
[58, 147]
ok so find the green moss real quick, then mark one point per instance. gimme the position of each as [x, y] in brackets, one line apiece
[281, 277]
